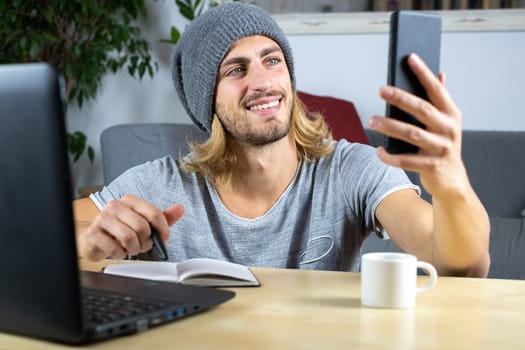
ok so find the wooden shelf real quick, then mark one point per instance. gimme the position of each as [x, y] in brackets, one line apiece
[378, 22]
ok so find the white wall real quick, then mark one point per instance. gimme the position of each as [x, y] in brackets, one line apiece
[485, 73]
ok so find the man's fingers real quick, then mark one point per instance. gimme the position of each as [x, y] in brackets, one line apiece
[126, 226]
[428, 142]
[174, 213]
[99, 245]
[443, 78]
[434, 86]
[423, 110]
[123, 228]
[170, 217]
[149, 215]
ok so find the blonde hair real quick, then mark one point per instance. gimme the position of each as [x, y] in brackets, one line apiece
[213, 159]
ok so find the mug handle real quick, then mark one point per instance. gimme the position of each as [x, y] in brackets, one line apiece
[431, 271]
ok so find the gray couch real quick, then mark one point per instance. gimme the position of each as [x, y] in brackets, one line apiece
[495, 161]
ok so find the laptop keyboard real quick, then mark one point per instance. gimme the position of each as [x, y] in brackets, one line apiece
[102, 307]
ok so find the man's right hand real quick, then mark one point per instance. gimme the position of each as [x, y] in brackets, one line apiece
[122, 228]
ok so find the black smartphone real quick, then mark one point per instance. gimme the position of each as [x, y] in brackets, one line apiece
[418, 32]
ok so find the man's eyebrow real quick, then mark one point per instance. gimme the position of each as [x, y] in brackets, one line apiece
[232, 61]
[270, 50]
[237, 60]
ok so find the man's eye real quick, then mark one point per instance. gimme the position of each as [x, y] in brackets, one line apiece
[235, 71]
[273, 61]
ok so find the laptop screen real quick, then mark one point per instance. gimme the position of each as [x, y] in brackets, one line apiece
[41, 293]
[37, 239]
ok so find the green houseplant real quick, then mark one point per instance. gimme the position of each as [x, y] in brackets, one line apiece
[189, 9]
[84, 40]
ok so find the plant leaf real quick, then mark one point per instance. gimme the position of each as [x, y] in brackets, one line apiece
[174, 35]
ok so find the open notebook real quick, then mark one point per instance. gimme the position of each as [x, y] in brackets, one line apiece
[43, 294]
[198, 271]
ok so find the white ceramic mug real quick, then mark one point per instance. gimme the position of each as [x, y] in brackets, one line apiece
[389, 280]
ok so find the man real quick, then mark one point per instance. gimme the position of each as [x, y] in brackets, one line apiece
[270, 187]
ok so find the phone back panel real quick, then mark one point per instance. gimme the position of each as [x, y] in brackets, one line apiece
[417, 32]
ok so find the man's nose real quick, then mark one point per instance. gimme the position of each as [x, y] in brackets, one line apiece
[259, 78]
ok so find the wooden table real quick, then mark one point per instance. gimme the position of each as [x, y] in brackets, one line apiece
[296, 309]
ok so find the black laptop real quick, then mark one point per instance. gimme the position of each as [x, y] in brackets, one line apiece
[43, 294]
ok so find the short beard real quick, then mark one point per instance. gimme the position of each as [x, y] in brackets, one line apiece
[274, 134]
[241, 133]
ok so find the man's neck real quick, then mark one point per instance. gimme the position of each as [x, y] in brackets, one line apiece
[259, 178]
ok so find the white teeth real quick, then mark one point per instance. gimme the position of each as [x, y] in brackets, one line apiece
[264, 106]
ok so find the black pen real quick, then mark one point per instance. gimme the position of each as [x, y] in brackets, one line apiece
[158, 245]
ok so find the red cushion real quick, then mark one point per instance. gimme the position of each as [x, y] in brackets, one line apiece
[340, 115]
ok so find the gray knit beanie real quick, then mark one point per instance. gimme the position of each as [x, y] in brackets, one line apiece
[203, 45]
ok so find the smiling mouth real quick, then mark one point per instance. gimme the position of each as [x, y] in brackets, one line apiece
[265, 106]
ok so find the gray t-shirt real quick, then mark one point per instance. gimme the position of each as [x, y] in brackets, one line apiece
[319, 222]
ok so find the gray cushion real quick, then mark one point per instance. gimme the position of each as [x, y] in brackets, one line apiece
[495, 162]
[124, 146]
[507, 248]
